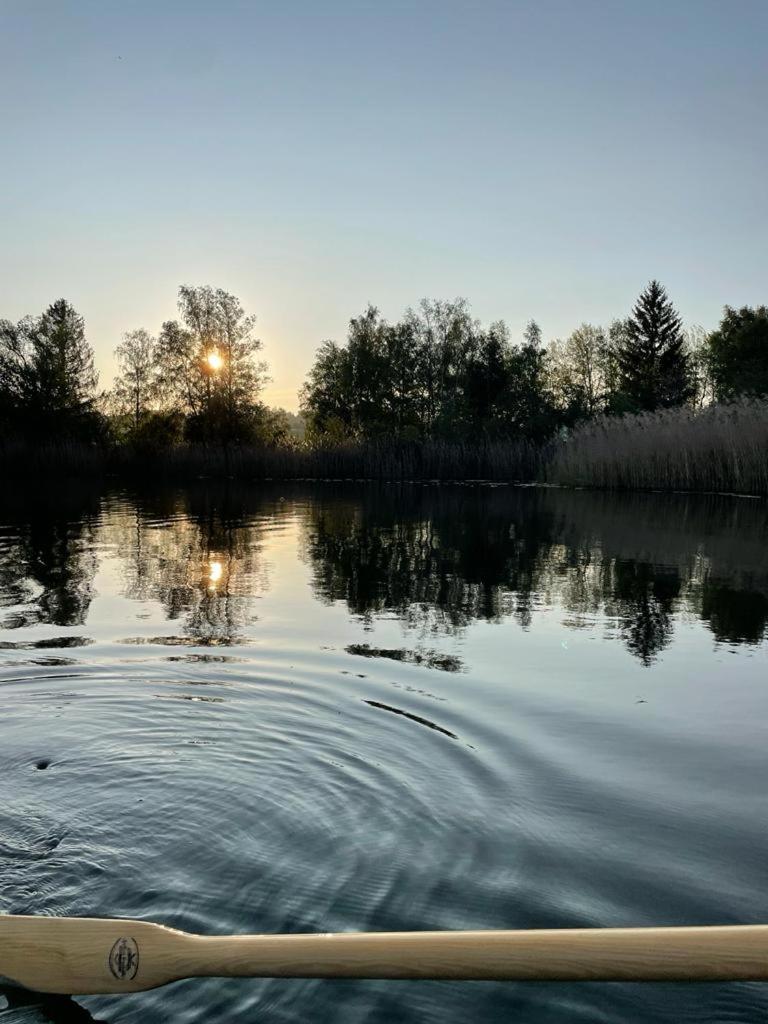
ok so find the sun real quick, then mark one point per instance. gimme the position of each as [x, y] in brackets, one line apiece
[214, 360]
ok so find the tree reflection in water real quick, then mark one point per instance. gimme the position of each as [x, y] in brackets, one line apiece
[198, 552]
[438, 558]
[47, 556]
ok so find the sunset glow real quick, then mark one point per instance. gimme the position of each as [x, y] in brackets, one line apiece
[214, 360]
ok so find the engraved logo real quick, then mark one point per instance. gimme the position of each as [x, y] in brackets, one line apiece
[124, 959]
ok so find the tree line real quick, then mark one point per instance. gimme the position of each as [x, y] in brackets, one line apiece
[198, 380]
[437, 374]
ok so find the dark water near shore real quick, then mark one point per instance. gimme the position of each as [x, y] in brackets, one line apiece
[338, 707]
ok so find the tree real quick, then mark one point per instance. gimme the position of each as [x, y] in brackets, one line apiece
[532, 334]
[278, 428]
[47, 376]
[403, 380]
[697, 350]
[618, 339]
[435, 374]
[16, 375]
[402, 354]
[579, 371]
[209, 367]
[326, 393]
[486, 384]
[528, 403]
[738, 353]
[136, 383]
[446, 337]
[290, 424]
[179, 380]
[62, 361]
[369, 397]
[653, 366]
[221, 325]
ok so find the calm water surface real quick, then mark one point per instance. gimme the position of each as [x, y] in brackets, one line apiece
[337, 707]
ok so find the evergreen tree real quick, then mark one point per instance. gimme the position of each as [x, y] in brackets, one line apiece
[653, 366]
[63, 373]
[47, 377]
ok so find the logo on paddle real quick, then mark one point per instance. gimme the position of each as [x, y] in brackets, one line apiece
[124, 959]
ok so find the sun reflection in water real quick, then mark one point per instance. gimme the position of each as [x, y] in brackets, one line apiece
[215, 572]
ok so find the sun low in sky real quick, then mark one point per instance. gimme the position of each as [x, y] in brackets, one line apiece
[214, 360]
[544, 159]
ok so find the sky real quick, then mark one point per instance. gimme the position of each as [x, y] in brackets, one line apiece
[543, 159]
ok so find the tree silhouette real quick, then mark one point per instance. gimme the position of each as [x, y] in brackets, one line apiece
[136, 382]
[644, 598]
[324, 397]
[653, 366]
[47, 377]
[435, 375]
[738, 352]
[217, 325]
[48, 563]
[62, 361]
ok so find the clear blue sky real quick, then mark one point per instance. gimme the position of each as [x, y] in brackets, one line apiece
[542, 158]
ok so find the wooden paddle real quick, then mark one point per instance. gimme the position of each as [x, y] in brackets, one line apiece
[76, 956]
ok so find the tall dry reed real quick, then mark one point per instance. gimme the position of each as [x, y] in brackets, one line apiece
[718, 448]
[434, 460]
[371, 461]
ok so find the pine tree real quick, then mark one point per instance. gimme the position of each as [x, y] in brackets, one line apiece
[652, 362]
[63, 374]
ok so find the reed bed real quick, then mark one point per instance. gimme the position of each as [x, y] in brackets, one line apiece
[718, 448]
[372, 461]
[503, 461]
[39, 461]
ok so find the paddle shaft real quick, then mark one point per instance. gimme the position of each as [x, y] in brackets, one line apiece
[626, 954]
[97, 955]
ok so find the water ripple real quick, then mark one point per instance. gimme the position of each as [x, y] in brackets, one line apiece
[255, 780]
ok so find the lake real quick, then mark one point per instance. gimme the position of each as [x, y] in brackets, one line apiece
[337, 706]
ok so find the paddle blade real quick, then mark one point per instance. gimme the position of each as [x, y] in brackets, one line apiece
[81, 955]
